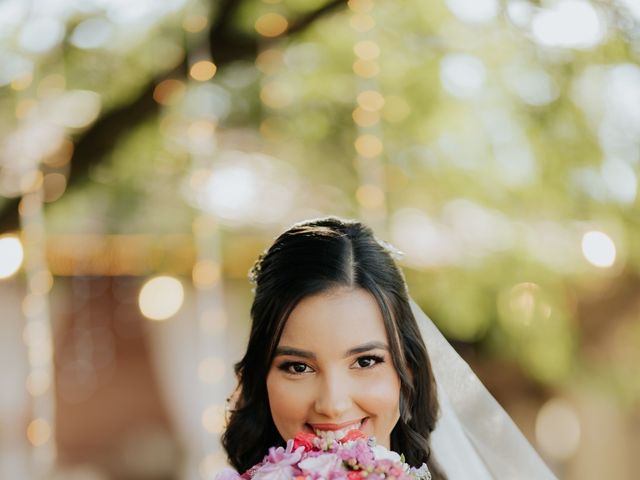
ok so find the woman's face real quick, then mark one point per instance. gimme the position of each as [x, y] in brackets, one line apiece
[333, 371]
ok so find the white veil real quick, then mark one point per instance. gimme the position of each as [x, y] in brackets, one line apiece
[474, 437]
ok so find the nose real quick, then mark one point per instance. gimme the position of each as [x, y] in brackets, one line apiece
[334, 397]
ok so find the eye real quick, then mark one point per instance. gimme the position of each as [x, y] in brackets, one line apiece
[368, 361]
[295, 368]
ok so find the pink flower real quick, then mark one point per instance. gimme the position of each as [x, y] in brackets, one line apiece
[353, 435]
[308, 457]
[284, 455]
[321, 466]
[274, 471]
[355, 475]
[304, 440]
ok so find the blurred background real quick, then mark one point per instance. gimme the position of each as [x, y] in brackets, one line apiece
[150, 150]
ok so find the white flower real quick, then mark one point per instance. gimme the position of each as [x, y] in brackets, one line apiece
[272, 471]
[382, 453]
[422, 472]
[321, 466]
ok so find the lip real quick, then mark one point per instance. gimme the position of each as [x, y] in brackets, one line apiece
[336, 426]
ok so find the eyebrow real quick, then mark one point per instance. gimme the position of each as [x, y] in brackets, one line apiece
[365, 347]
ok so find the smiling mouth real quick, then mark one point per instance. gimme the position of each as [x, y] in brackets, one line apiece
[329, 432]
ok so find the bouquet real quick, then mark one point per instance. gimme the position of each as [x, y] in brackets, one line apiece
[309, 457]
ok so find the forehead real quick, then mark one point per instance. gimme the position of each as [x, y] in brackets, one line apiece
[334, 320]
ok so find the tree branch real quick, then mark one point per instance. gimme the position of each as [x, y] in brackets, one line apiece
[226, 46]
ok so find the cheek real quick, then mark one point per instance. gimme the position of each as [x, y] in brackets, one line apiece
[288, 403]
[381, 396]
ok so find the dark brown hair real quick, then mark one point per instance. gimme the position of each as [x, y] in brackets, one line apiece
[310, 258]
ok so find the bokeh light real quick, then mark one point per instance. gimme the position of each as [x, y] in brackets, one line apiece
[366, 50]
[271, 25]
[195, 23]
[203, 70]
[269, 60]
[14, 66]
[213, 419]
[92, 33]
[474, 11]
[169, 92]
[41, 282]
[366, 68]
[370, 100]
[598, 248]
[38, 382]
[38, 432]
[11, 255]
[41, 33]
[568, 24]
[33, 304]
[365, 118]
[76, 108]
[361, 22]
[206, 273]
[360, 6]
[462, 75]
[368, 145]
[161, 297]
[557, 429]
[54, 185]
[276, 94]
[234, 193]
[621, 180]
[42, 354]
[232, 190]
[35, 334]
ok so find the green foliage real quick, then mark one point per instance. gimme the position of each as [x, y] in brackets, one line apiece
[525, 149]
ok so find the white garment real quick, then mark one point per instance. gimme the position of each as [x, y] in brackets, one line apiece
[474, 437]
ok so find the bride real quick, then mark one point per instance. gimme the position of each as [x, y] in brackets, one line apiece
[337, 344]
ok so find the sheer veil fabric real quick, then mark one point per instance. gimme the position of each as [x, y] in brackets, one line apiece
[474, 438]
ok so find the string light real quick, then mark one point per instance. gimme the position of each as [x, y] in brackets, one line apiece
[368, 143]
[37, 334]
[274, 94]
[29, 249]
[211, 369]
[206, 273]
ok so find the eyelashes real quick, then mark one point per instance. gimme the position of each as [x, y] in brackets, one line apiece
[294, 368]
[369, 361]
[364, 362]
